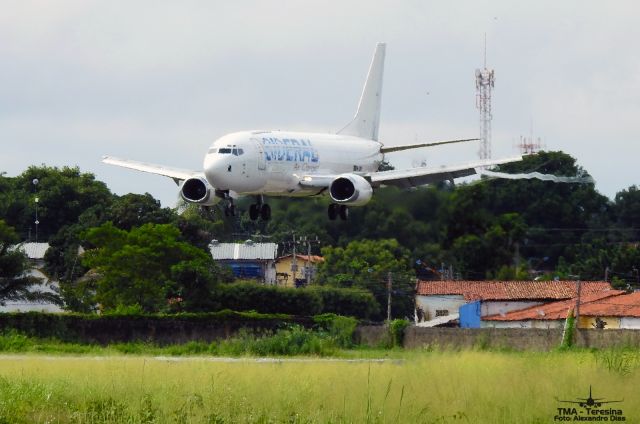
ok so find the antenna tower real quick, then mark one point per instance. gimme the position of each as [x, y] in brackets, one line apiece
[484, 85]
[530, 144]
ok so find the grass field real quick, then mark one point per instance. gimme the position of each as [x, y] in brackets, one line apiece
[412, 387]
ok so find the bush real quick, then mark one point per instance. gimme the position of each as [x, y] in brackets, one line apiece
[568, 333]
[267, 299]
[340, 329]
[396, 330]
[293, 340]
[356, 303]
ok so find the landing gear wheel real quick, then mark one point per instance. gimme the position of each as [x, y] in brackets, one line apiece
[265, 212]
[230, 210]
[333, 211]
[254, 212]
[344, 212]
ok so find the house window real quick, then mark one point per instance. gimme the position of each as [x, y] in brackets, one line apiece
[442, 312]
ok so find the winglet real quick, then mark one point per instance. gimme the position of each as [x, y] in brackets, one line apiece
[367, 120]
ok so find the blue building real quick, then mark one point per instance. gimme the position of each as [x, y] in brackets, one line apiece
[248, 260]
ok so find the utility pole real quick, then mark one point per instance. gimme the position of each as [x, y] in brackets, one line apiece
[389, 285]
[307, 267]
[579, 288]
[294, 264]
[35, 188]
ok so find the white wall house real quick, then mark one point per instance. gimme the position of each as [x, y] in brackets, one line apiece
[436, 299]
[35, 252]
[630, 322]
[612, 306]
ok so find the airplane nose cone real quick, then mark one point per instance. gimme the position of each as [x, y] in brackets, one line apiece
[215, 170]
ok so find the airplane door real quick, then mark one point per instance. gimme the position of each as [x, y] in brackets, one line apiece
[262, 164]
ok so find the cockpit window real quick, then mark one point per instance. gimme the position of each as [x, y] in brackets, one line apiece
[237, 152]
[224, 151]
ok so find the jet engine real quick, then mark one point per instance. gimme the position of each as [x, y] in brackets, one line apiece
[197, 190]
[351, 190]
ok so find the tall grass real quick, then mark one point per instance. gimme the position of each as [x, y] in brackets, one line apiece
[427, 387]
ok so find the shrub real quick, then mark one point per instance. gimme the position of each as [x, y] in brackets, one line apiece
[340, 329]
[268, 299]
[310, 301]
[356, 303]
[396, 329]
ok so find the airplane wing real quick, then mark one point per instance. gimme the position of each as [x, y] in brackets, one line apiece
[392, 149]
[413, 177]
[174, 173]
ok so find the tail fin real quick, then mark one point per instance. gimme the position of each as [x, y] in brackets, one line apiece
[367, 120]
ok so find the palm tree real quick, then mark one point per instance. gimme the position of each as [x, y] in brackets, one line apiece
[15, 282]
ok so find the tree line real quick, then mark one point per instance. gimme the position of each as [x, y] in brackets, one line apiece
[487, 229]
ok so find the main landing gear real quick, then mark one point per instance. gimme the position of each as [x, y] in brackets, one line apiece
[230, 208]
[260, 209]
[338, 210]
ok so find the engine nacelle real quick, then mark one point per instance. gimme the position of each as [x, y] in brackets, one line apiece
[351, 190]
[197, 190]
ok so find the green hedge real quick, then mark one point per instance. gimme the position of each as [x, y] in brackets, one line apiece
[302, 302]
[347, 302]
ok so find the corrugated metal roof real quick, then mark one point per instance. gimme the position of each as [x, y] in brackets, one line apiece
[510, 290]
[32, 250]
[243, 251]
[439, 320]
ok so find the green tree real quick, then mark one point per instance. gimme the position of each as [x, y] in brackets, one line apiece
[146, 266]
[627, 210]
[63, 195]
[367, 264]
[15, 283]
[559, 215]
[134, 210]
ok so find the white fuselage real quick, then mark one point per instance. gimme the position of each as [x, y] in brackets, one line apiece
[272, 163]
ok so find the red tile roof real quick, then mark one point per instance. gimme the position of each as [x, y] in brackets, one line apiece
[619, 306]
[558, 310]
[510, 290]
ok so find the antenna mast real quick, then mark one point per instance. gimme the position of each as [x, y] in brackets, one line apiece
[484, 85]
[530, 145]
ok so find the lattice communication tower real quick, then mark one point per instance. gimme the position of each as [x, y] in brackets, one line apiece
[484, 84]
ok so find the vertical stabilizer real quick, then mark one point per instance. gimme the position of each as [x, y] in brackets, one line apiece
[367, 120]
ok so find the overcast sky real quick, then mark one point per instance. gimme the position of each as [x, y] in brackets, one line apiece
[158, 81]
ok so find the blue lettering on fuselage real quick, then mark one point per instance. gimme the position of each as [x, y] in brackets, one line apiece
[289, 150]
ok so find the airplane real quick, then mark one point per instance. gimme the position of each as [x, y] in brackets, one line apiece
[590, 402]
[343, 166]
